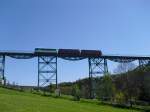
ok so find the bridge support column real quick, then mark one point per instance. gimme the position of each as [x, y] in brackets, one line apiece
[96, 66]
[2, 70]
[47, 71]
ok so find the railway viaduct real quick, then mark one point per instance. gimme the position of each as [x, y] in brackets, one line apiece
[47, 62]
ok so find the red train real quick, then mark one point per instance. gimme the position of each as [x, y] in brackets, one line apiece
[79, 53]
[69, 52]
[91, 53]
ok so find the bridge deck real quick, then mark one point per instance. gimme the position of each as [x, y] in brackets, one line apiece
[33, 54]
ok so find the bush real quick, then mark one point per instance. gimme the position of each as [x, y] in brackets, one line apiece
[106, 89]
[57, 93]
[76, 93]
[120, 98]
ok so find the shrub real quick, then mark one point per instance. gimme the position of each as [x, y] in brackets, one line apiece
[120, 98]
[106, 89]
[76, 93]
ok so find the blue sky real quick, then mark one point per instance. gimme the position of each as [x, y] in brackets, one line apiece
[113, 26]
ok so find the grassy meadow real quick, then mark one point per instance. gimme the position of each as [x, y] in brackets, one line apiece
[15, 101]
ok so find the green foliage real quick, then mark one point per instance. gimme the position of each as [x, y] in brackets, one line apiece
[76, 92]
[134, 85]
[51, 88]
[65, 89]
[120, 98]
[106, 90]
[57, 93]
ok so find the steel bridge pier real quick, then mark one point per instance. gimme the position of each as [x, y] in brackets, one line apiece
[97, 66]
[2, 70]
[47, 71]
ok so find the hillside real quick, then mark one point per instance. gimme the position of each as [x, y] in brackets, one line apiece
[14, 101]
[133, 84]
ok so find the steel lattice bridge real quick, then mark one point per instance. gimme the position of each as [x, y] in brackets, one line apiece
[47, 62]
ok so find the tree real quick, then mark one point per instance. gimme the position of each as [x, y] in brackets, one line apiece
[106, 89]
[50, 88]
[127, 78]
[120, 98]
[76, 92]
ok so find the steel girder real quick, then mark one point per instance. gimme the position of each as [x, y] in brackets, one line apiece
[97, 66]
[73, 58]
[2, 69]
[21, 56]
[47, 71]
[122, 60]
[142, 63]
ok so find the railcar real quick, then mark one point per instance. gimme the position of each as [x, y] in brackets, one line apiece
[69, 52]
[91, 53]
[44, 51]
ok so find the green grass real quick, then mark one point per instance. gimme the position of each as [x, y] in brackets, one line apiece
[14, 101]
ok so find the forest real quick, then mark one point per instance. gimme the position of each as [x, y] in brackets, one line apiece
[132, 86]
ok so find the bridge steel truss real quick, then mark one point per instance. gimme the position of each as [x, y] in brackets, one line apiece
[143, 63]
[47, 66]
[47, 71]
[2, 69]
[97, 66]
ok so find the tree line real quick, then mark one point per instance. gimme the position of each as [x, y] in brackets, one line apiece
[132, 86]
